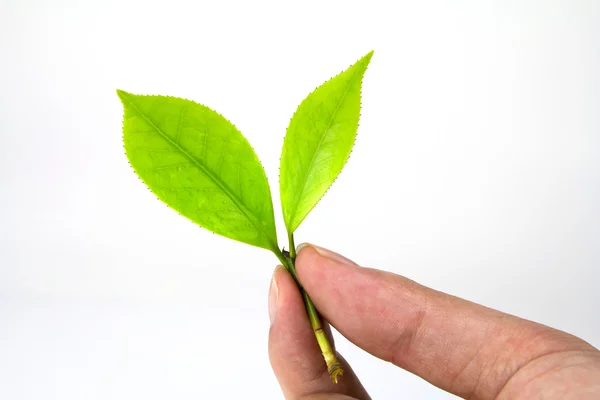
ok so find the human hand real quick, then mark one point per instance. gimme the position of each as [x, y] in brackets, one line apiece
[464, 348]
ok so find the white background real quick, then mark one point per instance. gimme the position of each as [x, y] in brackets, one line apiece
[476, 172]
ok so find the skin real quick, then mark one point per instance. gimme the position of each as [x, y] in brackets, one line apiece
[464, 348]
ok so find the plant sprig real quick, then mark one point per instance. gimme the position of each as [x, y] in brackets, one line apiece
[200, 164]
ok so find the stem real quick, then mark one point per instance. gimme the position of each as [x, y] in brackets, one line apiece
[289, 266]
[292, 246]
[334, 367]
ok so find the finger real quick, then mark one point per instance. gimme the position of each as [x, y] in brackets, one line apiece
[293, 349]
[457, 345]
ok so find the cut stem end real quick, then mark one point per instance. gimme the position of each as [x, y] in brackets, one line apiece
[334, 367]
[335, 372]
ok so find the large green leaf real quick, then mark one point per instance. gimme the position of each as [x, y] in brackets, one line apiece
[318, 142]
[198, 163]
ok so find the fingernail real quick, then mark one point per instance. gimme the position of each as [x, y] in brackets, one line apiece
[332, 255]
[273, 295]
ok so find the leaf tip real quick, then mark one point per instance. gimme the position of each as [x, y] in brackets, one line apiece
[123, 94]
[366, 59]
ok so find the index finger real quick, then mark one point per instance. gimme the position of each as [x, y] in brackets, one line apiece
[459, 346]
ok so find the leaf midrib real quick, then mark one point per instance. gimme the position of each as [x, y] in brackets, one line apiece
[249, 215]
[312, 160]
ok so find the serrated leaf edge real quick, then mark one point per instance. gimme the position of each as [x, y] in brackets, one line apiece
[123, 95]
[347, 157]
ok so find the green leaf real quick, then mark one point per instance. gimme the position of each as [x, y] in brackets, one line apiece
[198, 163]
[318, 142]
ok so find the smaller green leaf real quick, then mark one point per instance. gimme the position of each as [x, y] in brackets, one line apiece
[318, 142]
[198, 163]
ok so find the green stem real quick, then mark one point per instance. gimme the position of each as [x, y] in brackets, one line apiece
[292, 246]
[334, 367]
[290, 267]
